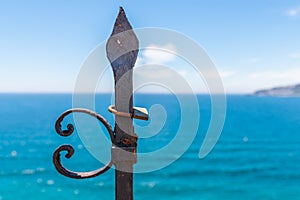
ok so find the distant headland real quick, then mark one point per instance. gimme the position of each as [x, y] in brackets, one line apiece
[286, 91]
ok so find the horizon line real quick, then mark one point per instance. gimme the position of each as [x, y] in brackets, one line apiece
[162, 93]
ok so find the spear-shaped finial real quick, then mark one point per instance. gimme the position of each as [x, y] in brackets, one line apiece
[122, 46]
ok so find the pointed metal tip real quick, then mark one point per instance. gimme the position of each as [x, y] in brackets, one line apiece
[122, 24]
[122, 40]
[121, 13]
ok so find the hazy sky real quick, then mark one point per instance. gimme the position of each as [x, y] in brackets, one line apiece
[253, 43]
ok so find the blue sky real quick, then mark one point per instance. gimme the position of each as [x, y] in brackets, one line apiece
[254, 43]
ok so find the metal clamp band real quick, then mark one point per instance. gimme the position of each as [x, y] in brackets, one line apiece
[123, 154]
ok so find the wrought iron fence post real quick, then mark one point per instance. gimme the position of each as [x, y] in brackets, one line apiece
[122, 51]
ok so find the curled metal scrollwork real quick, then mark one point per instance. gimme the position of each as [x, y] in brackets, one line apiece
[70, 127]
[77, 175]
[70, 150]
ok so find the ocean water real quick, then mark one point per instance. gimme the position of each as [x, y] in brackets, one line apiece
[257, 156]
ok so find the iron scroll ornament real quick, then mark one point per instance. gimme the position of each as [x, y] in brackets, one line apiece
[70, 150]
[138, 114]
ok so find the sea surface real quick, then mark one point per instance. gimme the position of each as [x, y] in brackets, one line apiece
[256, 157]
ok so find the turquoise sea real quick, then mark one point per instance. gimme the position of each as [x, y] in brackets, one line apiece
[257, 156]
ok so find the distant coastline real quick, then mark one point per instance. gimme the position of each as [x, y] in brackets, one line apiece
[284, 91]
